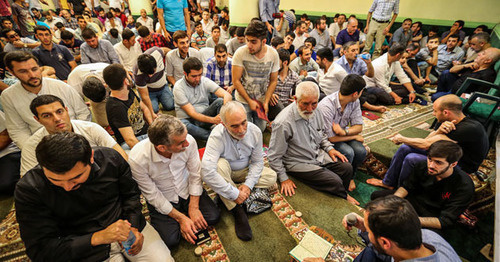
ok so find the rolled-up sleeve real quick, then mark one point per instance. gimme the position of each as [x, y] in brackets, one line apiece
[400, 73]
[277, 149]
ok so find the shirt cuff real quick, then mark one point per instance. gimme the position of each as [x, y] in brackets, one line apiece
[195, 190]
[233, 195]
[282, 176]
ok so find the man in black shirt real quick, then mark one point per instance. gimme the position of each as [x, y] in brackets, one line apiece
[468, 133]
[79, 203]
[482, 68]
[128, 116]
[437, 188]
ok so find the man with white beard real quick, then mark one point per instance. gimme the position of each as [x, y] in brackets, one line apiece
[299, 147]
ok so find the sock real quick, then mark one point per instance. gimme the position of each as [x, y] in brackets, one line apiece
[241, 226]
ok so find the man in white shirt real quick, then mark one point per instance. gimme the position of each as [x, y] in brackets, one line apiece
[378, 90]
[335, 28]
[50, 111]
[145, 20]
[332, 74]
[166, 167]
[128, 50]
[206, 22]
[233, 163]
[16, 99]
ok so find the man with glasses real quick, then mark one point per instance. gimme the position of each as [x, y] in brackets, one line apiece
[17, 43]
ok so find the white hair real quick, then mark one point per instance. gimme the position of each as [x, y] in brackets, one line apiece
[228, 107]
[306, 88]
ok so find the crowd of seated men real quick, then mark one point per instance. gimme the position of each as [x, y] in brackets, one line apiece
[84, 130]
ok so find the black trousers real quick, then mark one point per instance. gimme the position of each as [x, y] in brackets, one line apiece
[333, 178]
[9, 166]
[169, 229]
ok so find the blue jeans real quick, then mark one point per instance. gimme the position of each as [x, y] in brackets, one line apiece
[402, 164]
[200, 130]
[165, 97]
[444, 84]
[126, 148]
[354, 151]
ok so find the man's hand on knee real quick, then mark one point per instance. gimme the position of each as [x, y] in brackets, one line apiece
[139, 240]
[288, 187]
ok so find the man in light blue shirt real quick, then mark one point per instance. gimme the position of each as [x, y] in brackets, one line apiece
[173, 15]
[233, 163]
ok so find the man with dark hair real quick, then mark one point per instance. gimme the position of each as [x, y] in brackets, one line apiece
[433, 31]
[403, 35]
[128, 50]
[22, 17]
[166, 166]
[378, 23]
[215, 37]
[343, 121]
[446, 54]
[173, 16]
[95, 50]
[456, 29]
[337, 26]
[476, 43]
[237, 41]
[68, 40]
[481, 68]
[149, 74]
[303, 65]
[428, 54]
[93, 193]
[301, 33]
[87, 80]
[392, 231]
[332, 75]
[219, 68]
[175, 57]
[128, 116]
[82, 25]
[310, 43]
[277, 42]
[289, 38]
[300, 148]
[233, 164]
[191, 95]
[287, 81]
[416, 30]
[321, 34]
[468, 133]
[437, 188]
[255, 73]
[59, 28]
[16, 99]
[199, 37]
[379, 90]
[150, 38]
[50, 111]
[352, 63]
[17, 43]
[113, 36]
[69, 22]
[54, 55]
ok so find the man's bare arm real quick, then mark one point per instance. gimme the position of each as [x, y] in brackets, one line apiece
[430, 222]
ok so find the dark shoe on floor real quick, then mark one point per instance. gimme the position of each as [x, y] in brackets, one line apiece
[420, 101]
[241, 226]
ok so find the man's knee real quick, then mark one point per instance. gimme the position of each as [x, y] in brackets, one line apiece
[413, 158]
[267, 178]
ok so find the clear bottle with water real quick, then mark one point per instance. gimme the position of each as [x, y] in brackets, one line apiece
[129, 242]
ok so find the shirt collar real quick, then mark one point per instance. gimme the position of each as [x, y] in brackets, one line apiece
[179, 55]
[155, 156]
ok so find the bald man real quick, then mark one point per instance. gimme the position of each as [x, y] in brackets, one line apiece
[455, 126]
[299, 147]
[481, 68]
[233, 163]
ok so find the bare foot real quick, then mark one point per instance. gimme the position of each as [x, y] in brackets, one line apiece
[380, 109]
[351, 200]
[352, 186]
[378, 182]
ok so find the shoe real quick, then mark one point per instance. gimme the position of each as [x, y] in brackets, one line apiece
[241, 226]
[420, 101]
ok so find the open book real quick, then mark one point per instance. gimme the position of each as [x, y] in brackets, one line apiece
[311, 245]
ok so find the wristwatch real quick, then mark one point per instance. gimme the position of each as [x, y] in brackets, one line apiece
[412, 92]
[346, 131]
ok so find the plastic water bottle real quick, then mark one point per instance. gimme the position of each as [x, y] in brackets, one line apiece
[364, 56]
[129, 242]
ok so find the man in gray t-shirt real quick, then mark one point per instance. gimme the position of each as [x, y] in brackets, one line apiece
[192, 103]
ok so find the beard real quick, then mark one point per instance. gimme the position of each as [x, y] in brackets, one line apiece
[30, 82]
[305, 114]
[438, 172]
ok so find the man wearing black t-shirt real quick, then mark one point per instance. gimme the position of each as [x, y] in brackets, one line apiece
[482, 68]
[127, 115]
[437, 188]
[468, 133]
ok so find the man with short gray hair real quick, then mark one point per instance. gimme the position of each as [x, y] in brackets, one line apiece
[166, 167]
[299, 147]
[233, 163]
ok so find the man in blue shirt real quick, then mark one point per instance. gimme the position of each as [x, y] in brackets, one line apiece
[54, 55]
[173, 15]
[266, 10]
[353, 64]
